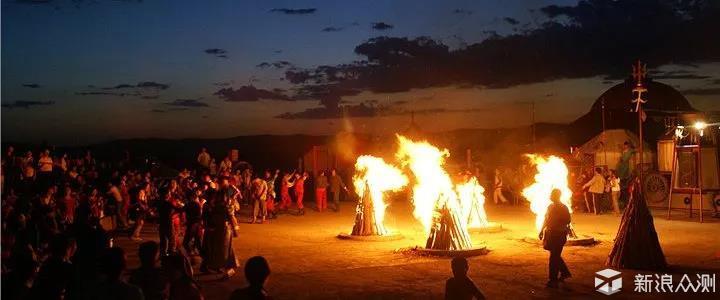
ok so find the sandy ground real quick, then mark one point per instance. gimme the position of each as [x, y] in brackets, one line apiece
[309, 262]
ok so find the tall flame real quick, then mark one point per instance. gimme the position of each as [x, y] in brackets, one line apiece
[552, 173]
[434, 189]
[472, 203]
[379, 177]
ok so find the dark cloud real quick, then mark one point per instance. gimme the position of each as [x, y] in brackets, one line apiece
[280, 64]
[462, 11]
[715, 81]
[676, 74]
[217, 52]
[119, 94]
[226, 83]
[31, 85]
[249, 93]
[143, 89]
[592, 38]
[366, 109]
[294, 11]
[382, 26]
[27, 104]
[702, 92]
[332, 29]
[511, 21]
[158, 110]
[153, 85]
[187, 103]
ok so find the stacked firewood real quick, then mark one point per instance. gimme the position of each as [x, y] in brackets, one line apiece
[365, 223]
[636, 244]
[447, 232]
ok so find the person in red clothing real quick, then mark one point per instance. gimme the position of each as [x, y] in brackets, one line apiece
[300, 191]
[321, 183]
[285, 186]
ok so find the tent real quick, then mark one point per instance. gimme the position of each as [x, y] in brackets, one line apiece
[608, 153]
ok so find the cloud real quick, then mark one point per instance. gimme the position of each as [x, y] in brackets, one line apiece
[365, 109]
[280, 64]
[592, 38]
[187, 103]
[217, 52]
[511, 21]
[250, 93]
[158, 110]
[676, 74]
[702, 92]
[224, 83]
[294, 11]
[31, 85]
[332, 29]
[27, 104]
[462, 11]
[382, 26]
[143, 89]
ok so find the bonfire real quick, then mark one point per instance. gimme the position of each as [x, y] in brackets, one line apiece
[444, 209]
[373, 178]
[552, 173]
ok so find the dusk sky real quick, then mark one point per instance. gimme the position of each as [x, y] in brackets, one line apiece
[77, 72]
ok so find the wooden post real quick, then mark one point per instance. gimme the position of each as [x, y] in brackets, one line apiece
[672, 176]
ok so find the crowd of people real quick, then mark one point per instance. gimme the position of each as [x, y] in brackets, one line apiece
[65, 212]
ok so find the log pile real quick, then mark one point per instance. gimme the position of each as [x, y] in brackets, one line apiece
[636, 244]
[365, 223]
[447, 232]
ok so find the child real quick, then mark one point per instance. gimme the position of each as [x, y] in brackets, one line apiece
[460, 286]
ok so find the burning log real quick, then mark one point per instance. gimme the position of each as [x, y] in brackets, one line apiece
[636, 244]
[365, 222]
[448, 232]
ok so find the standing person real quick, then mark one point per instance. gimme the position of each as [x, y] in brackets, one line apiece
[498, 188]
[285, 186]
[259, 194]
[321, 183]
[257, 271]
[179, 273]
[213, 167]
[596, 186]
[554, 235]
[141, 208]
[203, 160]
[300, 191]
[615, 191]
[270, 200]
[193, 223]
[225, 165]
[220, 228]
[114, 209]
[460, 286]
[55, 279]
[68, 205]
[336, 185]
[623, 165]
[45, 168]
[169, 210]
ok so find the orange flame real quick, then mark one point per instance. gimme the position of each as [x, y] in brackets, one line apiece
[552, 173]
[380, 177]
[434, 189]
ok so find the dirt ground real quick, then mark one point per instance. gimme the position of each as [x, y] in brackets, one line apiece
[309, 262]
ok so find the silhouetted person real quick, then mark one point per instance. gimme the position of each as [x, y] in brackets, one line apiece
[554, 235]
[179, 272]
[112, 287]
[149, 277]
[57, 273]
[257, 271]
[460, 286]
[17, 284]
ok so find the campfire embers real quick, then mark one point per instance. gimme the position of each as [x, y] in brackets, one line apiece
[373, 178]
